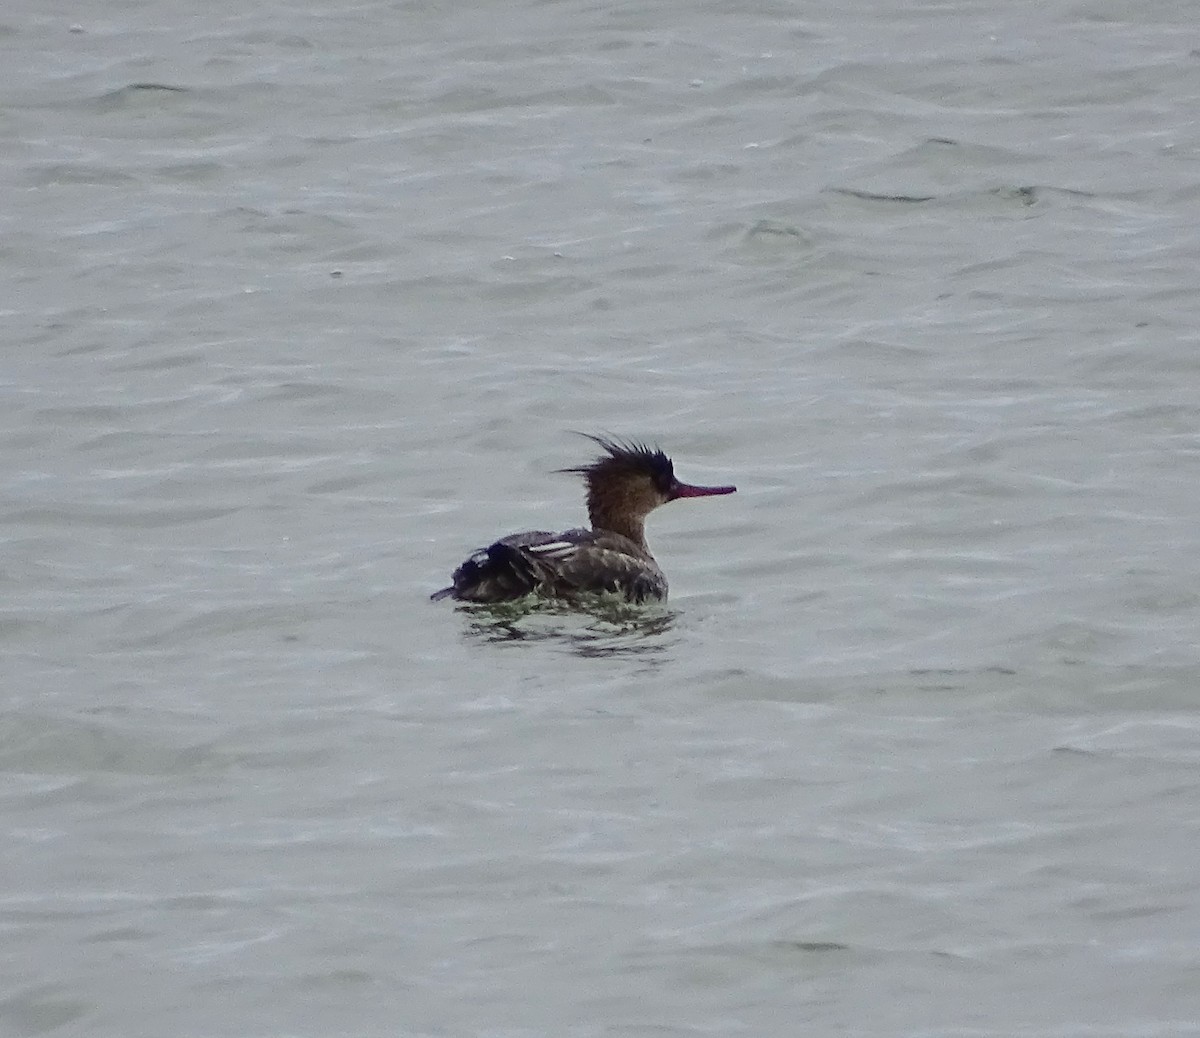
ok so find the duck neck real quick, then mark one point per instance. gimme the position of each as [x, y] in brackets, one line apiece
[605, 513]
[634, 529]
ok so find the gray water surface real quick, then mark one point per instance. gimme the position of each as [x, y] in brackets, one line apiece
[302, 306]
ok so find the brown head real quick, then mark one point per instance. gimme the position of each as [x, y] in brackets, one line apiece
[628, 482]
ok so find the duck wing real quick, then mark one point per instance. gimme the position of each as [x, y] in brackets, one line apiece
[596, 562]
[558, 565]
[500, 572]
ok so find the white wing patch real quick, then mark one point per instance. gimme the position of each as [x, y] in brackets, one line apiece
[551, 549]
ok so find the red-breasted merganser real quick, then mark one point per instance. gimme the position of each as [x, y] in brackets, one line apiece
[624, 485]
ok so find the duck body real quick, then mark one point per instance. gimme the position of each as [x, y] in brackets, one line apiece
[611, 558]
[566, 565]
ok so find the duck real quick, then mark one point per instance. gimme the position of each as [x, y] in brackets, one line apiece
[623, 485]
